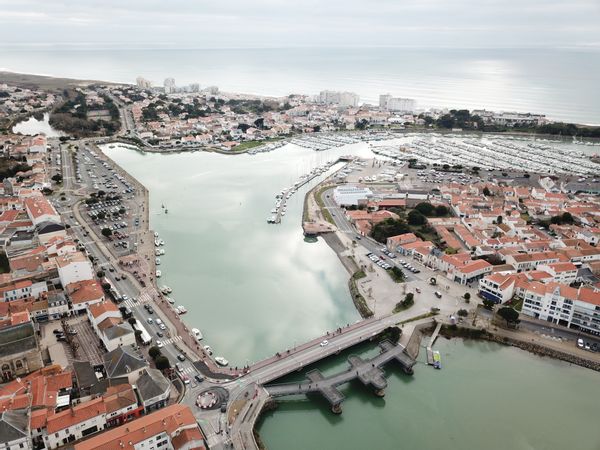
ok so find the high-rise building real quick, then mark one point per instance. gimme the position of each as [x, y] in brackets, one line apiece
[383, 100]
[386, 101]
[338, 98]
[143, 83]
[169, 85]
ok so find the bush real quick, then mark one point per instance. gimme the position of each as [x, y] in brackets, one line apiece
[463, 313]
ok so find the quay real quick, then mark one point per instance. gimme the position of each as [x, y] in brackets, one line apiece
[369, 372]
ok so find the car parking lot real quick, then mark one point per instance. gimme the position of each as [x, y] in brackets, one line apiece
[112, 204]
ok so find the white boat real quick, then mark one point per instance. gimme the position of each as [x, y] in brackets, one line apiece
[158, 273]
[155, 234]
[157, 262]
[170, 300]
[197, 334]
[208, 350]
[181, 309]
[221, 361]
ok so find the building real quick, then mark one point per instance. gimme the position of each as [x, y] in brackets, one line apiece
[74, 267]
[154, 390]
[561, 272]
[14, 430]
[75, 423]
[171, 428]
[397, 104]
[124, 362]
[83, 294]
[108, 324]
[169, 85]
[142, 83]
[41, 210]
[345, 99]
[350, 195]
[19, 347]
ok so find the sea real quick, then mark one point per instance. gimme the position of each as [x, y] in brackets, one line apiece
[561, 83]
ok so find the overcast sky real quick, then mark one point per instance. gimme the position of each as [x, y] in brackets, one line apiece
[280, 23]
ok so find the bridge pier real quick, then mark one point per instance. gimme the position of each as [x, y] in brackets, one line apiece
[336, 409]
[380, 392]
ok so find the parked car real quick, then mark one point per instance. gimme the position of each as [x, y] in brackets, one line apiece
[438, 294]
[580, 343]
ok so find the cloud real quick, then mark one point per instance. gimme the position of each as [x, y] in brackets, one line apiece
[269, 23]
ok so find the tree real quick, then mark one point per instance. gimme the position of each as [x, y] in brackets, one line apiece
[409, 300]
[463, 313]
[100, 273]
[162, 362]
[106, 232]
[57, 178]
[441, 210]
[489, 304]
[499, 220]
[486, 191]
[509, 314]
[132, 321]
[425, 208]
[154, 352]
[467, 296]
[416, 218]
[387, 228]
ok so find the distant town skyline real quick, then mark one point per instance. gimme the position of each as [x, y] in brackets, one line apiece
[275, 23]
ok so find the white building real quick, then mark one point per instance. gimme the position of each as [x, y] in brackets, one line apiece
[74, 267]
[345, 99]
[169, 85]
[399, 104]
[143, 83]
[350, 195]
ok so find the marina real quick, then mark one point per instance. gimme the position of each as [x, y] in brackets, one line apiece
[491, 152]
[278, 212]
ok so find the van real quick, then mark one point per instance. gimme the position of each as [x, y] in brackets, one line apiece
[580, 343]
[158, 322]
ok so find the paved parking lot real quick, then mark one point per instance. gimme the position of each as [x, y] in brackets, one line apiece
[89, 344]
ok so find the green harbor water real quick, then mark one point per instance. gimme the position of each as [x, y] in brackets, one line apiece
[254, 289]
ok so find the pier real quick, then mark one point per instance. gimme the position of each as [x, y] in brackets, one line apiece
[434, 336]
[369, 372]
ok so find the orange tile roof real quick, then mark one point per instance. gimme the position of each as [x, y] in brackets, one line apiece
[75, 415]
[84, 291]
[170, 420]
[97, 309]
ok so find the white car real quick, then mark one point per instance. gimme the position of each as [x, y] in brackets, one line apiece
[159, 344]
[580, 343]
[324, 343]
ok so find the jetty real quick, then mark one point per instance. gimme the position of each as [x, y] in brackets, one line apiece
[436, 332]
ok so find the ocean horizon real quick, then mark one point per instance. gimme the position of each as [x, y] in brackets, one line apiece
[560, 83]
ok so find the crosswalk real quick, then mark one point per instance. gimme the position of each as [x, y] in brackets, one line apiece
[188, 370]
[171, 340]
[143, 298]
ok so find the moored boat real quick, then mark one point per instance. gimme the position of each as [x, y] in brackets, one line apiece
[221, 361]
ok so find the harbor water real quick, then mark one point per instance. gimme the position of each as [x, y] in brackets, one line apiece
[254, 289]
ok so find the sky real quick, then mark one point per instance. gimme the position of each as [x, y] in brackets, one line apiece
[301, 23]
